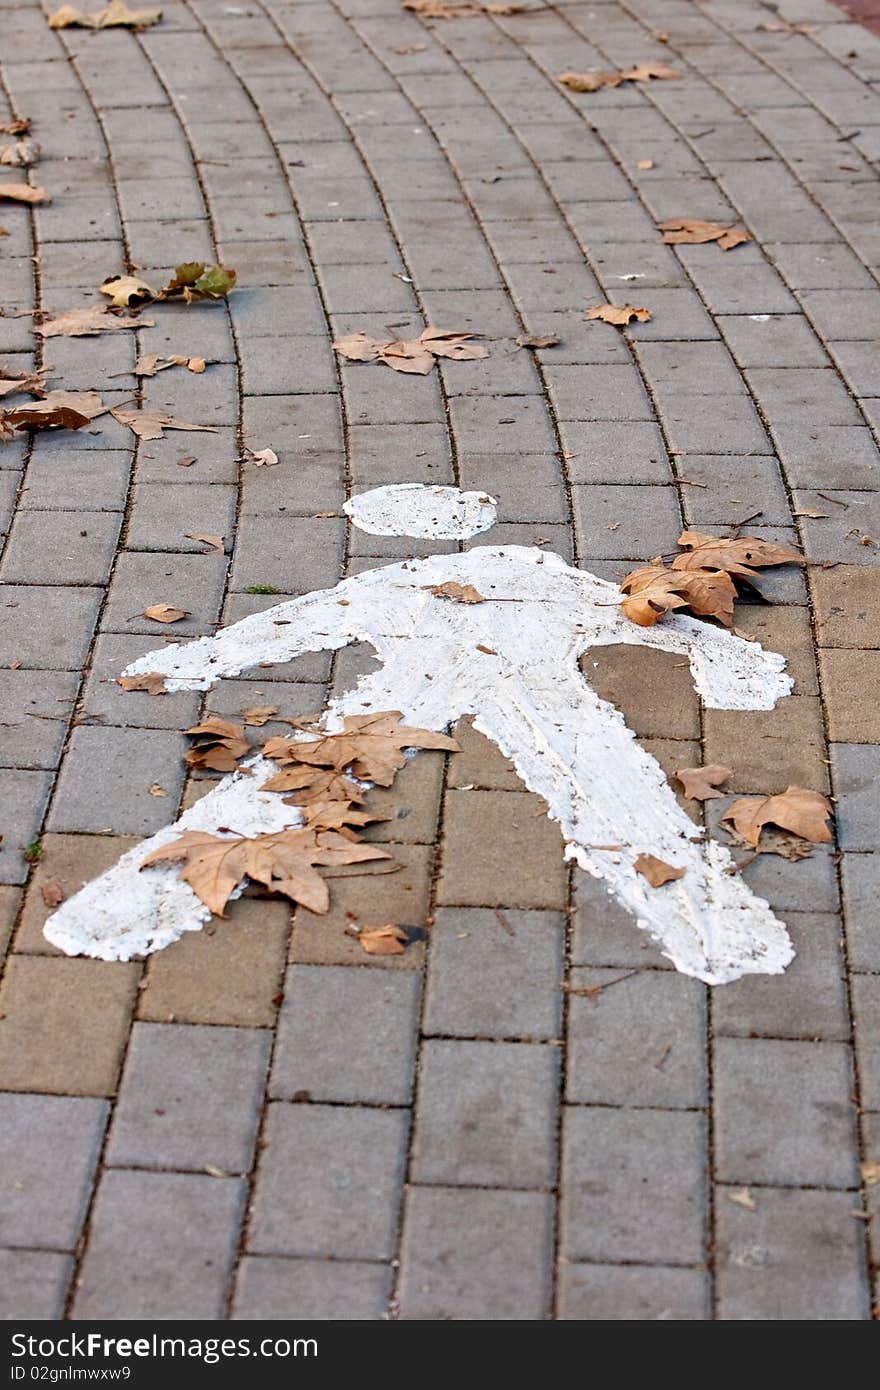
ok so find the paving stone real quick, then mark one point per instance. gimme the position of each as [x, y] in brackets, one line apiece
[604, 933]
[638, 1042]
[518, 862]
[60, 547]
[88, 1003]
[705, 425]
[68, 861]
[847, 529]
[50, 1146]
[797, 1256]
[819, 266]
[46, 628]
[850, 718]
[77, 480]
[486, 1114]
[314, 1058]
[629, 678]
[807, 1001]
[329, 1290]
[37, 706]
[105, 702]
[295, 554]
[412, 804]
[616, 452]
[105, 781]
[772, 339]
[598, 393]
[163, 514]
[770, 749]
[161, 1246]
[10, 900]
[618, 1203]
[141, 580]
[860, 885]
[475, 1254]
[855, 768]
[349, 1163]
[784, 1112]
[23, 797]
[825, 456]
[629, 522]
[33, 1284]
[633, 1293]
[866, 1013]
[495, 424]
[189, 1098]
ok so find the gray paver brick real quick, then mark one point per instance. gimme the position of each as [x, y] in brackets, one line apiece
[808, 1001]
[33, 1284]
[328, 1290]
[866, 1012]
[60, 547]
[626, 522]
[161, 1246]
[37, 706]
[632, 1293]
[162, 514]
[314, 1056]
[189, 1097]
[856, 767]
[106, 778]
[50, 1147]
[46, 627]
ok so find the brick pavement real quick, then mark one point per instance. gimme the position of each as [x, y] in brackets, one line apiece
[447, 1134]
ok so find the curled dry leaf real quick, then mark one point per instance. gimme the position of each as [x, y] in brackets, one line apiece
[20, 127]
[594, 81]
[702, 783]
[645, 164]
[127, 291]
[165, 613]
[341, 816]
[215, 542]
[151, 424]
[370, 745]
[621, 316]
[657, 871]
[64, 410]
[693, 231]
[13, 383]
[735, 554]
[149, 363]
[803, 812]
[84, 323]
[870, 1171]
[156, 790]
[413, 355]
[310, 784]
[654, 590]
[258, 715]
[380, 941]
[457, 9]
[22, 193]
[458, 593]
[263, 458]
[285, 863]
[113, 16]
[217, 745]
[52, 893]
[153, 682]
[743, 1198]
[194, 281]
[20, 155]
[540, 340]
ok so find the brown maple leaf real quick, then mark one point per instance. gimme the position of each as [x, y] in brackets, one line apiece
[619, 316]
[693, 231]
[803, 812]
[657, 871]
[286, 862]
[370, 746]
[20, 155]
[538, 340]
[458, 593]
[413, 355]
[218, 744]
[311, 784]
[341, 816]
[151, 424]
[702, 783]
[594, 81]
[153, 682]
[13, 383]
[66, 410]
[735, 554]
[127, 291]
[654, 590]
[255, 716]
[85, 323]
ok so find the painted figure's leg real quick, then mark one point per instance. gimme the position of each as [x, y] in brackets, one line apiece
[613, 802]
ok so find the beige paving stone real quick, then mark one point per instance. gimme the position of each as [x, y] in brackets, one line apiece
[228, 973]
[9, 903]
[500, 848]
[480, 762]
[783, 629]
[769, 750]
[412, 802]
[64, 1023]
[851, 681]
[847, 605]
[69, 861]
[653, 690]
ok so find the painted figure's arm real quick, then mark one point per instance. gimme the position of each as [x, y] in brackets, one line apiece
[322, 621]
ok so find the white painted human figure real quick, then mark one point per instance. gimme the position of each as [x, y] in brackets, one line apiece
[513, 665]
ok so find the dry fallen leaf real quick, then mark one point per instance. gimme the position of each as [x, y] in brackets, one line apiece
[369, 745]
[594, 81]
[743, 1198]
[83, 323]
[457, 9]
[803, 812]
[285, 863]
[20, 127]
[22, 193]
[65, 410]
[611, 313]
[541, 340]
[870, 1171]
[20, 155]
[14, 382]
[645, 164]
[186, 461]
[380, 941]
[156, 790]
[310, 785]
[702, 783]
[258, 715]
[51, 893]
[215, 542]
[656, 871]
[194, 281]
[654, 590]
[150, 424]
[153, 682]
[149, 363]
[114, 15]
[127, 291]
[217, 745]
[693, 231]
[735, 554]
[458, 593]
[165, 613]
[263, 458]
[413, 355]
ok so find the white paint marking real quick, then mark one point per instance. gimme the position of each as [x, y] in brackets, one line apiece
[527, 694]
[412, 509]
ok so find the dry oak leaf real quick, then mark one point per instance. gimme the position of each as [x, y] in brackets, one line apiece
[413, 355]
[594, 81]
[218, 745]
[83, 323]
[693, 231]
[22, 193]
[284, 863]
[51, 893]
[654, 590]
[702, 783]
[127, 291]
[803, 812]
[735, 554]
[20, 155]
[165, 613]
[263, 458]
[255, 716]
[215, 542]
[151, 424]
[458, 593]
[657, 871]
[380, 941]
[64, 410]
[20, 127]
[115, 15]
[610, 313]
[153, 682]
[370, 745]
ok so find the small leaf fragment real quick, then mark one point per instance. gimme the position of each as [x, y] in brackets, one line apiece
[380, 941]
[540, 340]
[52, 893]
[743, 1198]
[22, 193]
[258, 715]
[114, 15]
[151, 424]
[84, 323]
[595, 81]
[153, 682]
[657, 871]
[127, 291]
[165, 613]
[412, 355]
[458, 593]
[620, 316]
[215, 542]
[694, 231]
[263, 458]
[702, 783]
